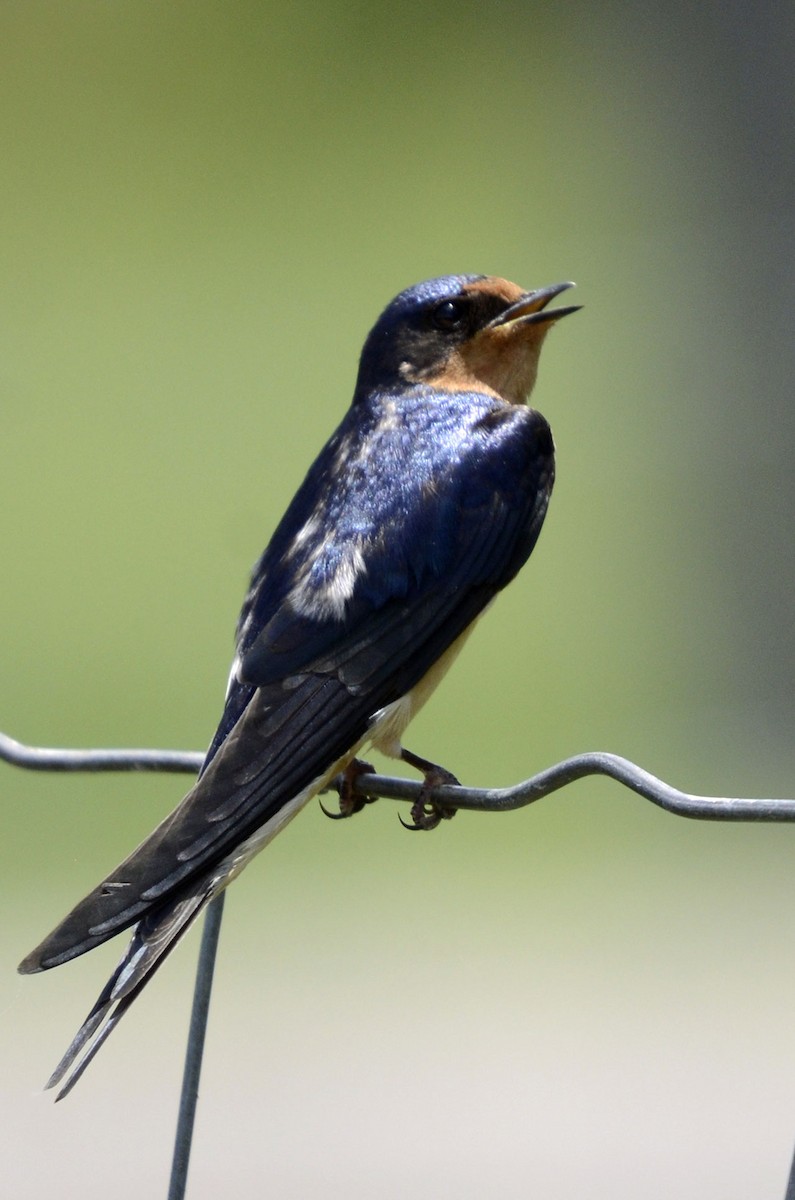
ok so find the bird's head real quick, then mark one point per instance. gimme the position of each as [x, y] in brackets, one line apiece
[469, 333]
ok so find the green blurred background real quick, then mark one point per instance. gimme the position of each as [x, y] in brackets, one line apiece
[205, 207]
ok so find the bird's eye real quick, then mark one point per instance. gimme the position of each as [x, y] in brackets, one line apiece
[450, 315]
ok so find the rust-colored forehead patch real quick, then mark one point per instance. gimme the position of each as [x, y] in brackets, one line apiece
[492, 285]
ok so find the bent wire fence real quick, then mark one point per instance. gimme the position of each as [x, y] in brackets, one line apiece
[629, 774]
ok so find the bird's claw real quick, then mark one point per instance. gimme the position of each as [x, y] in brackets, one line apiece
[427, 813]
[349, 801]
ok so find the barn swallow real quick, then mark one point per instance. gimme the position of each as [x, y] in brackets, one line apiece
[424, 503]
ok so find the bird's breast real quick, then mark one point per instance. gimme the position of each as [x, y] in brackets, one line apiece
[388, 725]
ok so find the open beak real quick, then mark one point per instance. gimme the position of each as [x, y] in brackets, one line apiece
[531, 309]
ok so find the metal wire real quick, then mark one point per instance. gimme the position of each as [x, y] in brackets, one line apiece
[40, 758]
[389, 787]
[629, 774]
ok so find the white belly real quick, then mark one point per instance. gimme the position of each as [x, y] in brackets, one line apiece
[389, 723]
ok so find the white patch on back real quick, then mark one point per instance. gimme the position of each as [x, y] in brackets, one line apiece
[330, 598]
[304, 535]
[234, 674]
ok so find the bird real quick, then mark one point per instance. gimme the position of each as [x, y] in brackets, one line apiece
[424, 503]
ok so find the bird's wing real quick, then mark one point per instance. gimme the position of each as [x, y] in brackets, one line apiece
[312, 683]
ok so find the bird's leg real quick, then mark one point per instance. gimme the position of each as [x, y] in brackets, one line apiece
[351, 802]
[426, 813]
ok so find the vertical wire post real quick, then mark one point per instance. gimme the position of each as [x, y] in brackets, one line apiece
[790, 1193]
[189, 1094]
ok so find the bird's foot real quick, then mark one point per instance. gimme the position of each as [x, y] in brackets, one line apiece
[351, 802]
[427, 813]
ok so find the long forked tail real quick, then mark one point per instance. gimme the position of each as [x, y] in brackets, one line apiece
[153, 939]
